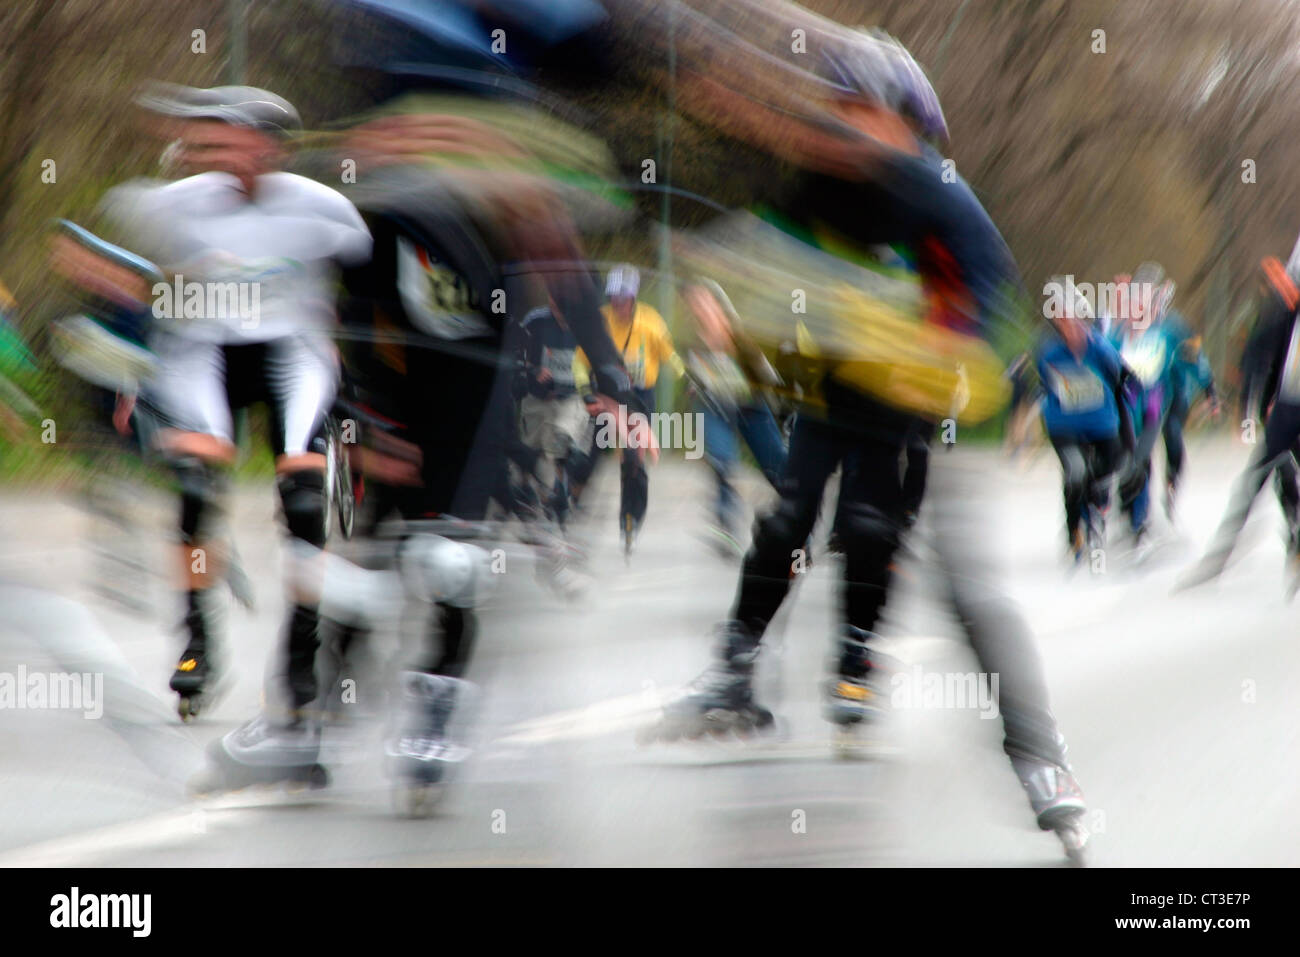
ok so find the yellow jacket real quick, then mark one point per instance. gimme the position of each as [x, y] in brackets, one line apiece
[645, 344]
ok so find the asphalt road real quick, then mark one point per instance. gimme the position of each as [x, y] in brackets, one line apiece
[1178, 708]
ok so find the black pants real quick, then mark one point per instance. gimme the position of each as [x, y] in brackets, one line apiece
[871, 510]
[1175, 449]
[875, 502]
[457, 412]
[1086, 468]
[634, 480]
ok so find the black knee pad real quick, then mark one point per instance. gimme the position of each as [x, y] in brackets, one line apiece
[303, 496]
[202, 487]
[862, 524]
[785, 528]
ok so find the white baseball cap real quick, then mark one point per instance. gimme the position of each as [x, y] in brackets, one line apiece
[623, 280]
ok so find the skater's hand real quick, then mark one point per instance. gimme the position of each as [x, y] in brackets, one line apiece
[122, 410]
[635, 434]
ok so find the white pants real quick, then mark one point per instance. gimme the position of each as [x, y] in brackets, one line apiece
[198, 385]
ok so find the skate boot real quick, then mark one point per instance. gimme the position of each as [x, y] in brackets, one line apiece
[422, 755]
[631, 527]
[196, 680]
[265, 751]
[1057, 801]
[1142, 544]
[724, 544]
[721, 701]
[1291, 571]
[1096, 530]
[1078, 547]
[854, 696]
[560, 569]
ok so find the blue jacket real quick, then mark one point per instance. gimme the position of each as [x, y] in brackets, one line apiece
[1079, 393]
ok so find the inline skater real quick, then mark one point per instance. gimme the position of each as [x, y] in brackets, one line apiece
[268, 240]
[1271, 398]
[727, 374]
[1086, 419]
[1150, 347]
[553, 430]
[552, 416]
[423, 336]
[645, 345]
[1189, 378]
[883, 186]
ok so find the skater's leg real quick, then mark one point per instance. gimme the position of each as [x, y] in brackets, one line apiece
[870, 517]
[758, 428]
[1141, 504]
[1074, 477]
[998, 634]
[1280, 434]
[781, 536]
[202, 488]
[1286, 484]
[917, 469]
[425, 746]
[720, 452]
[635, 494]
[1175, 448]
[451, 641]
[302, 494]
[871, 506]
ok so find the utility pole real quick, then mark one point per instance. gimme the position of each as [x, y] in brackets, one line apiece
[667, 287]
[237, 55]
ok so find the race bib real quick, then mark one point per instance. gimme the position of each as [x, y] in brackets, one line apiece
[1077, 392]
[1147, 358]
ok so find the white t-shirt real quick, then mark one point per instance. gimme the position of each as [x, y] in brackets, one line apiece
[246, 270]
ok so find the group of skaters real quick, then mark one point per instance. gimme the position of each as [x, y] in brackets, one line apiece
[381, 301]
[1110, 388]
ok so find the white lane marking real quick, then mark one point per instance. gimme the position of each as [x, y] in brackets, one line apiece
[628, 712]
[603, 717]
[158, 830]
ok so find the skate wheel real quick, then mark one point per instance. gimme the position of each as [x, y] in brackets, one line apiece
[416, 800]
[317, 777]
[720, 732]
[187, 708]
[646, 736]
[1074, 837]
[844, 743]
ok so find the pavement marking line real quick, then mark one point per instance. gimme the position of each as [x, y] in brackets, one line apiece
[156, 830]
[602, 717]
[627, 712]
